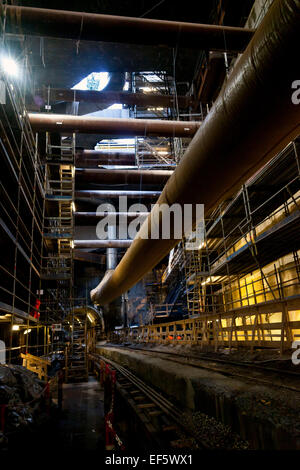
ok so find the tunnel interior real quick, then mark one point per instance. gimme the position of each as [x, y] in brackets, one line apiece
[149, 229]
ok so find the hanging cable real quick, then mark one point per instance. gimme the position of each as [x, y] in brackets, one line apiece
[151, 9]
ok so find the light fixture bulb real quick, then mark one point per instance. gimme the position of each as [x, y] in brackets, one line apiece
[9, 66]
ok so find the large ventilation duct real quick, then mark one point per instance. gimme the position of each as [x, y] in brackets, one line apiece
[122, 176]
[252, 120]
[112, 126]
[95, 27]
[111, 97]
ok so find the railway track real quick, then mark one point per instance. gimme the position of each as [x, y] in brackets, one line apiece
[229, 368]
[161, 419]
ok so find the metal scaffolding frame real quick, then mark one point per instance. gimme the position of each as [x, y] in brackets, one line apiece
[58, 226]
[255, 301]
[21, 204]
[153, 152]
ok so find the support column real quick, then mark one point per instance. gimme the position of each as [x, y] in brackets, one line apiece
[111, 253]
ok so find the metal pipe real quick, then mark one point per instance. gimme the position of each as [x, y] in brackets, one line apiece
[102, 243]
[122, 176]
[252, 120]
[93, 163]
[124, 309]
[99, 194]
[111, 252]
[93, 158]
[112, 126]
[94, 217]
[96, 154]
[95, 27]
[111, 97]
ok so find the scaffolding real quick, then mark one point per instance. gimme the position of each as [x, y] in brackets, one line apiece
[195, 272]
[36, 220]
[58, 226]
[76, 354]
[21, 205]
[152, 151]
[243, 284]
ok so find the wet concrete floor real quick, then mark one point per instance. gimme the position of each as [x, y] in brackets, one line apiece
[81, 422]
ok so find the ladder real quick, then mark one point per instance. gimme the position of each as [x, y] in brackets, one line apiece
[76, 360]
[196, 274]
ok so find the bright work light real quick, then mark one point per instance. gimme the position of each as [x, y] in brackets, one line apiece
[9, 66]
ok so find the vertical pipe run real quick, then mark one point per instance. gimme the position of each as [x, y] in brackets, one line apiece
[111, 253]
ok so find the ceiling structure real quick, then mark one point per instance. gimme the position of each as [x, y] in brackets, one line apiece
[62, 63]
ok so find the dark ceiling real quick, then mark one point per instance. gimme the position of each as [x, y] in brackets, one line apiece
[63, 62]
[201, 11]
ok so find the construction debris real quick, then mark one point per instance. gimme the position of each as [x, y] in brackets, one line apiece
[213, 433]
[22, 399]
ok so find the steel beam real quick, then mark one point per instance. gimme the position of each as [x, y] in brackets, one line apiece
[122, 29]
[112, 126]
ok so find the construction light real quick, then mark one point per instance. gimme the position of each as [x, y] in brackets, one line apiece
[9, 66]
[147, 89]
[27, 331]
[15, 327]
